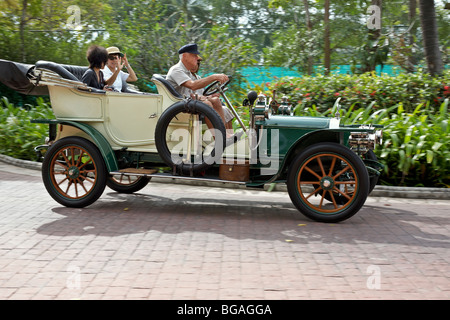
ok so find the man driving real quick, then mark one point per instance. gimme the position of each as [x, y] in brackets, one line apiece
[184, 78]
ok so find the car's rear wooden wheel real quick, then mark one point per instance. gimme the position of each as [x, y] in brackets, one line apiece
[127, 184]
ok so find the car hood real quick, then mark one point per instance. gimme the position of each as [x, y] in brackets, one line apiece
[298, 122]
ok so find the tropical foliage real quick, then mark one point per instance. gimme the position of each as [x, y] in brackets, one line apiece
[18, 136]
[416, 145]
[360, 90]
[413, 108]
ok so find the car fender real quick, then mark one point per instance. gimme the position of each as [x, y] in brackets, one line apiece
[307, 140]
[95, 136]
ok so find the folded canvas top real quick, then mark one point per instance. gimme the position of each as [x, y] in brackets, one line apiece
[17, 76]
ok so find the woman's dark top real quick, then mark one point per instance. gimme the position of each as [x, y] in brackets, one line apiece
[90, 78]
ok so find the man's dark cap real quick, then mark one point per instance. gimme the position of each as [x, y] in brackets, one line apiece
[190, 48]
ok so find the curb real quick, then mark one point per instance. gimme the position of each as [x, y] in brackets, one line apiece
[21, 163]
[379, 191]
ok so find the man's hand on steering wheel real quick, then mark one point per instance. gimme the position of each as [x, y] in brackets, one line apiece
[222, 78]
[218, 85]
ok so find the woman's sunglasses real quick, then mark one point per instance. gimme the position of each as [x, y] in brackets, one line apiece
[113, 57]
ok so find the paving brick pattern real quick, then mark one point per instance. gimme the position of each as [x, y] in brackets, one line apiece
[185, 242]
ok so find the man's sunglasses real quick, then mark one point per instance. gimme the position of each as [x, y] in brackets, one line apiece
[113, 57]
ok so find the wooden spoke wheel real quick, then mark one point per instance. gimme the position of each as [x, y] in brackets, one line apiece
[74, 172]
[328, 182]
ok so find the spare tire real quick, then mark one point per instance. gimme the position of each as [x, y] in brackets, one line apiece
[194, 107]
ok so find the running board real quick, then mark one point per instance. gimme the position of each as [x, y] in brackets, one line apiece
[140, 171]
[152, 173]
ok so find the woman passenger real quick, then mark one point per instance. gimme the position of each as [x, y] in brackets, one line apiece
[113, 73]
[93, 77]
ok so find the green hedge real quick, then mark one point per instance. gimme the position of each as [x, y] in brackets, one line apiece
[19, 99]
[361, 90]
[18, 136]
[412, 107]
[416, 145]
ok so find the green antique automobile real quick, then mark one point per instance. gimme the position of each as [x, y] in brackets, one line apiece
[123, 139]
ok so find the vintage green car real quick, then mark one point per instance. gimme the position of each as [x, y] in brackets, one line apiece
[123, 139]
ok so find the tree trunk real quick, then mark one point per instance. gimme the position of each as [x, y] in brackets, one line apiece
[412, 32]
[374, 35]
[430, 37]
[22, 30]
[327, 50]
[309, 28]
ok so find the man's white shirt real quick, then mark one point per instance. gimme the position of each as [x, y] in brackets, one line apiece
[179, 74]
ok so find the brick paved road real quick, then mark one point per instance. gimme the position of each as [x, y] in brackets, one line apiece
[183, 242]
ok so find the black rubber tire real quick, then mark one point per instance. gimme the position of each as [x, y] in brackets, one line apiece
[135, 186]
[298, 174]
[190, 107]
[91, 183]
[370, 155]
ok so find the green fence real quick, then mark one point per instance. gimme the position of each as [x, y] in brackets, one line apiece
[262, 74]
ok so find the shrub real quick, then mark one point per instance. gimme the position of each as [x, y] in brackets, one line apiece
[361, 90]
[18, 136]
[416, 145]
[412, 107]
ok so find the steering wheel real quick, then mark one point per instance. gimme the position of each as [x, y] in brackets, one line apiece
[216, 87]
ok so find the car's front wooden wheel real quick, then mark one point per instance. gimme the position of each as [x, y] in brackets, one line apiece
[74, 172]
[328, 182]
